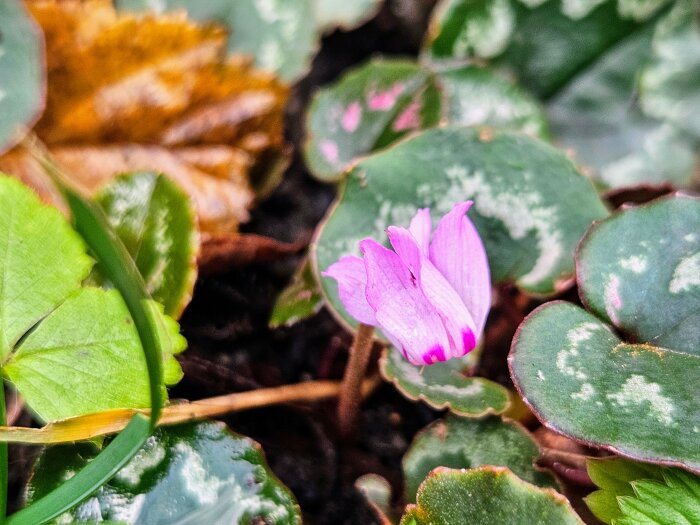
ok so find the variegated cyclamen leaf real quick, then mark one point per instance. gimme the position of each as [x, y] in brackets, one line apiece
[488, 496]
[445, 385]
[640, 270]
[531, 205]
[191, 474]
[581, 380]
[342, 126]
[340, 13]
[368, 108]
[456, 442]
[21, 69]
[156, 222]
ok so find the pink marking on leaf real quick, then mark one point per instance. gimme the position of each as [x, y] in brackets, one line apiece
[351, 117]
[409, 117]
[329, 150]
[384, 100]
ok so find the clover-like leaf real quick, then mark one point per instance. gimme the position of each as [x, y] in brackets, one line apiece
[486, 495]
[531, 205]
[456, 442]
[42, 260]
[68, 350]
[299, 300]
[342, 124]
[157, 224]
[367, 109]
[632, 493]
[445, 385]
[21, 63]
[195, 473]
[640, 271]
[581, 380]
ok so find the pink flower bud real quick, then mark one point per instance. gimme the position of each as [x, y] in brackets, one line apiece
[430, 299]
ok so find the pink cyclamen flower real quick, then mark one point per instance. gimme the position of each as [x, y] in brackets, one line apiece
[430, 299]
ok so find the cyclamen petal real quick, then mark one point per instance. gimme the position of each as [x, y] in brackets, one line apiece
[458, 253]
[430, 299]
[350, 273]
[402, 311]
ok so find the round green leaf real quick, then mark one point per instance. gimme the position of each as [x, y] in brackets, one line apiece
[86, 356]
[531, 206]
[445, 385]
[487, 496]
[21, 69]
[467, 443]
[581, 380]
[367, 109]
[478, 96]
[193, 474]
[157, 224]
[461, 29]
[42, 260]
[640, 270]
[280, 34]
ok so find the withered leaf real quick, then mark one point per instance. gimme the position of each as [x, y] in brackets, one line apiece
[155, 93]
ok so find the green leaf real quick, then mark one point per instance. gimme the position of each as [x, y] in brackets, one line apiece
[280, 34]
[68, 492]
[675, 501]
[614, 476]
[21, 69]
[342, 126]
[377, 494]
[333, 13]
[466, 443]
[669, 86]
[461, 29]
[188, 474]
[42, 260]
[445, 385]
[636, 493]
[479, 96]
[367, 109]
[640, 271]
[84, 357]
[582, 381]
[486, 495]
[157, 224]
[531, 206]
[300, 300]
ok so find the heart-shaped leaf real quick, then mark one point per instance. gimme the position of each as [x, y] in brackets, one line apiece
[486, 495]
[368, 108]
[633, 493]
[640, 271]
[189, 474]
[531, 206]
[156, 222]
[342, 124]
[445, 385]
[456, 442]
[581, 380]
[21, 63]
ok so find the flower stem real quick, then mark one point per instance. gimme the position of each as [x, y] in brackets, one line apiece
[350, 395]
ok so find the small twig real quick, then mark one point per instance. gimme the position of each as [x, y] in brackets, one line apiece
[560, 456]
[111, 421]
[350, 395]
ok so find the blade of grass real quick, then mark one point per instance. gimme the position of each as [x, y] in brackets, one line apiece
[94, 475]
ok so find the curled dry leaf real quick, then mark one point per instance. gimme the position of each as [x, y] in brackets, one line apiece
[154, 93]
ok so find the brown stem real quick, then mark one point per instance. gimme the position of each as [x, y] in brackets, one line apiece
[350, 395]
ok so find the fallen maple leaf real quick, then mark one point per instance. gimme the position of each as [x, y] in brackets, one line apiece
[153, 93]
